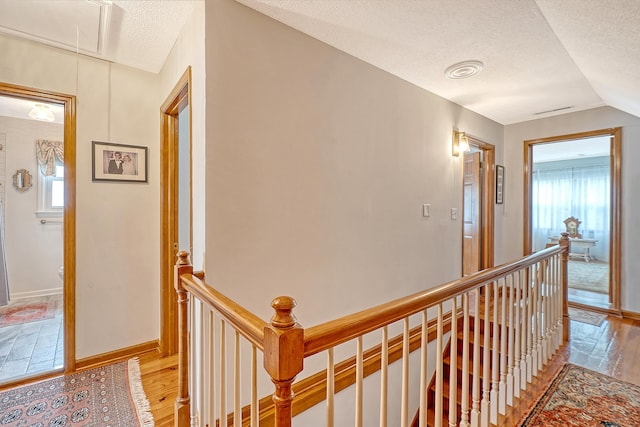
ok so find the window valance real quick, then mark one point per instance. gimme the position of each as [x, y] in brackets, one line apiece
[47, 152]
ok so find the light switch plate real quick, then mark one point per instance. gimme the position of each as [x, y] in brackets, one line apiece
[426, 210]
[454, 213]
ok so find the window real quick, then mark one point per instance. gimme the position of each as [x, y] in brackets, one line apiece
[51, 192]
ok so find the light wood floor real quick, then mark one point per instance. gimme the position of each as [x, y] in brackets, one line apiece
[612, 349]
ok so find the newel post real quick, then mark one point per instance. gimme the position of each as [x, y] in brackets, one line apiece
[283, 356]
[565, 244]
[183, 407]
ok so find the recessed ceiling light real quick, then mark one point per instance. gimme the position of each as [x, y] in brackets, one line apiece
[463, 70]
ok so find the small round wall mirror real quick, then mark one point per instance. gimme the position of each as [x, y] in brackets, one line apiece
[22, 180]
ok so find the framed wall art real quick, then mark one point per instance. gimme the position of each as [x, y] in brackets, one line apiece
[118, 162]
[499, 184]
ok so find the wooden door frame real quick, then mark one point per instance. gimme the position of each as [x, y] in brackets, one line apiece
[487, 194]
[179, 97]
[615, 226]
[69, 219]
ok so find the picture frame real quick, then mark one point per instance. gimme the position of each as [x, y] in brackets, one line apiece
[499, 184]
[118, 162]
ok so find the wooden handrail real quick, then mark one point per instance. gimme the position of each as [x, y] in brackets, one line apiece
[244, 321]
[329, 334]
[285, 343]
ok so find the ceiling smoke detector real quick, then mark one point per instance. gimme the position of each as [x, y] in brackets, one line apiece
[463, 70]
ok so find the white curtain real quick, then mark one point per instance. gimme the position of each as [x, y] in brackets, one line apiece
[4, 278]
[578, 191]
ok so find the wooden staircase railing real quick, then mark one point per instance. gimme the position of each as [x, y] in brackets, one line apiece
[522, 304]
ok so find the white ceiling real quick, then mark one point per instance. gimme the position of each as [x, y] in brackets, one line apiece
[538, 55]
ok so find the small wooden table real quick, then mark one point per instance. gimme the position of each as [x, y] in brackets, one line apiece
[584, 244]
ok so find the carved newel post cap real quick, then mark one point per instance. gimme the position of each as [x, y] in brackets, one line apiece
[565, 235]
[284, 317]
[183, 258]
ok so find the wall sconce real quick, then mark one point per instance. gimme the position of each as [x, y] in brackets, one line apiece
[460, 143]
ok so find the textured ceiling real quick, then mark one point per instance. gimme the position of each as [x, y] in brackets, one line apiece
[139, 34]
[541, 57]
[538, 56]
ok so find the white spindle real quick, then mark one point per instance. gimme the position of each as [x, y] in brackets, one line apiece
[453, 366]
[254, 386]
[237, 404]
[516, 338]
[495, 353]
[330, 388]
[538, 316]
[546, 347]
[202, 399]
[510, 338]
[439, 370]
[475, 407]
[359, 378]
[486, 360]
[502, 386]
[464, 416]
[223, 375]
[404, 415]
[193, 343]
[424, 344]
[384, 378]
[530, 303]
[211, 368]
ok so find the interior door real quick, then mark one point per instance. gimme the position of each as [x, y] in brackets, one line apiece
[471, 241]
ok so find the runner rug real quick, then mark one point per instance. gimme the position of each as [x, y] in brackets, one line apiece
[580, 397]
[110, 395]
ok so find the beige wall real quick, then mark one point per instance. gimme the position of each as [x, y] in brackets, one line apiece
[34, 251]
[595, 119]
[189, 51]
[117, 230]
[317, 168]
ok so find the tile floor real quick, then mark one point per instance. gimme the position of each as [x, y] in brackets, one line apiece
[33, 347]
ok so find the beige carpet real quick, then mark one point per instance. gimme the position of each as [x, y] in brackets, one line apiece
[589, 276]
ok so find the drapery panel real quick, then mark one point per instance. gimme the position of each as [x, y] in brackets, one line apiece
[582, 192]
[48, 154]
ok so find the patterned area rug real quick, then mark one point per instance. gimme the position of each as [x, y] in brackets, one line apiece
[27, 311]
[589, 276]
[587, 317]
[580, 397]
[109, 396]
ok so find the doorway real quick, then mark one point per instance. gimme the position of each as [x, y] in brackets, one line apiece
[37, 159]
[572, 184]
[478, 206]
[175, 202]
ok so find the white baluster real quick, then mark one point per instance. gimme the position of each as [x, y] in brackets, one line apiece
[223, 375]
[502, 386]
[495, 354]
[331, 376]
[404, 415]
[254, 387]
[359, 378]
[517, 327]
[475, 407]
[510, 353]
[439, 371]
[237, 404]
[464, 417]
[424, 344]
[453, 366]
[486, 360]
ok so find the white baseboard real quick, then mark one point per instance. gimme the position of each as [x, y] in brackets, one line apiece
[35, 294]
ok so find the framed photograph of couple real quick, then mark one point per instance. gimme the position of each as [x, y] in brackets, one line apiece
[118, 162]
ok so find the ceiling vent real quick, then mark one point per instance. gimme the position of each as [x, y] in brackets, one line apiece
[463, 70]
